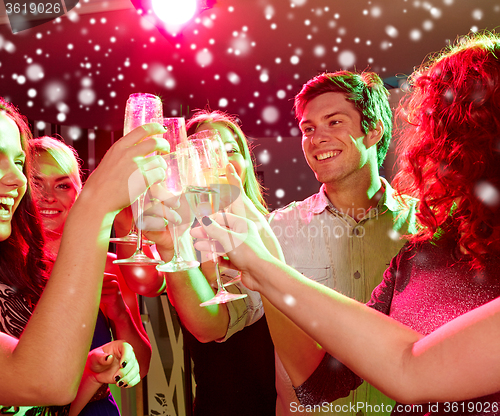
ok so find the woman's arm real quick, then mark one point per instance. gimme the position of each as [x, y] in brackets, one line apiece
[186, 290]
[121, 319]
[129, 297]
[55, 343]
[460, 360]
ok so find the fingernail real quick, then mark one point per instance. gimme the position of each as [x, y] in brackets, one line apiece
[206, 221]
[120, 384]
[108, 357]
[124, 364]
[126, 385]
[117, 378]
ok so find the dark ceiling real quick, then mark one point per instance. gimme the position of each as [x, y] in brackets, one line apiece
[247, 57]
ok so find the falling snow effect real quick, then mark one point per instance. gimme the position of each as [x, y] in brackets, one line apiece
[270, 114]
[487, 194]
[55, 91]
[319, 51]
[86, 96]
[264, 157]
[204, 57]
[347, 59]
[241, 45]
[34, 72]
[246, 58]
[289, 300]
[233, 78]
[75, 133]
[394, 235]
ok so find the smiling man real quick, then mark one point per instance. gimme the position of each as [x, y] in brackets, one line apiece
[343, 237]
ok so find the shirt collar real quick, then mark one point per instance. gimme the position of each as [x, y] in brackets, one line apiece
[320, 201]
[388, 201]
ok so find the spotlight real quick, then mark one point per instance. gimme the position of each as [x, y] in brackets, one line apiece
[173, 12]
[170, 16]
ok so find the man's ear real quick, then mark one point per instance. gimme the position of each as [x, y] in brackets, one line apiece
[375, 135]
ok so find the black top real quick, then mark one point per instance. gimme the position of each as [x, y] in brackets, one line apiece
[235, 377]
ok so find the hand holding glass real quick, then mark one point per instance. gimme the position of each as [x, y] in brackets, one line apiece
[173, 186]
[141, 108]
[203, 195]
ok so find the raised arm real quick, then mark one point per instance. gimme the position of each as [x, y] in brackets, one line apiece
[186, 290]
[121, 308]
[458, 361]
[55, 343]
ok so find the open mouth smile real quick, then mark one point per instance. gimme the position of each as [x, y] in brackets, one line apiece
[6, 204]
[328, 155]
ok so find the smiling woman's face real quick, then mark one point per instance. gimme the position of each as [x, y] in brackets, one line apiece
[12, 179]
[54, 193]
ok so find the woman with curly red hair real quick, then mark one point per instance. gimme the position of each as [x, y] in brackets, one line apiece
[450, 153]
[436, 349]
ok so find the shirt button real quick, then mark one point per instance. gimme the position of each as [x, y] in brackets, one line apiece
[357, 275]
[356, 232]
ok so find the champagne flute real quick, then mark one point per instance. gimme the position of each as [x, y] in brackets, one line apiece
[176, 131]
[203, 196]
[227, 193]
[141, 108]
[221, 158]
[174, 186]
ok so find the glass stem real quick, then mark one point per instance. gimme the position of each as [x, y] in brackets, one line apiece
[135, 209]
[140, 217]
[177, 254]
[220, 286]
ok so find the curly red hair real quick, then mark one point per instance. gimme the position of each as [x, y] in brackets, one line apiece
[450, 147]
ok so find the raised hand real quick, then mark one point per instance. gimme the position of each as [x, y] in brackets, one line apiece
[114, 363]
[244, 207]
[162, 209]
[170, 209]
[240, 240]
[117, 176]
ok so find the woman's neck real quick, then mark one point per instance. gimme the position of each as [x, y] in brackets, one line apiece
[52, 243]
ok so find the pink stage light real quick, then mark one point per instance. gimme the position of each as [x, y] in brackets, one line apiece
[172, 16]
[174, 13]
